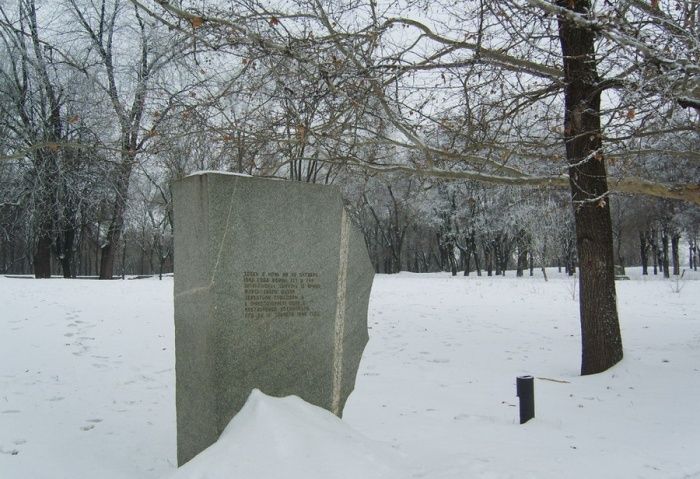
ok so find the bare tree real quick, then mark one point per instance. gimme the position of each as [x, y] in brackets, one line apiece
[111, 25]
[47, 135]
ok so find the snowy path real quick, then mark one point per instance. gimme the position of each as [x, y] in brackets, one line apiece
[87, 379]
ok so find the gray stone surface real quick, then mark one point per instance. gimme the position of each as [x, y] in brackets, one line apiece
[272, 284]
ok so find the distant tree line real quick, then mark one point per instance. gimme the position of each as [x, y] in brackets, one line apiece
[408, 225]
[470, 228]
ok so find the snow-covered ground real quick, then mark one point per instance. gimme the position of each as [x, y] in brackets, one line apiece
[87, 386]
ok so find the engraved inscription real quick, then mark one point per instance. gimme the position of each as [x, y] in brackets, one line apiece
[279, 294]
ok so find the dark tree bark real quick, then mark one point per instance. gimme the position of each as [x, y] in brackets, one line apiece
[443, 253]
[654, 250]
[664, 253]
[644, 252]
[600, 330]
[570, 256]
[467, 262]
[124, 259]
[497, 255]
[523, 253]
[3, 264]
[488, 260]
[42, 257]
[67, 253]
[690, 256]
[675, 238]
[107, 254]
[472, 242]
[505, 247]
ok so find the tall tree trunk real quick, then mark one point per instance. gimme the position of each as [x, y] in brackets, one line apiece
[675, 255]
[67, 252]
[522, 260]
[467, 262]
[664, 253]
[643, 252]
[396, 259]
[109, 250]
[3, 265]
[506, 248]
[107, 254]
[654, 251]
[600, 329]
[472, 243]
[443, 252]
[690, 256]
[497, 256]
[477, 265]
[42, 257]
[124, 259]
[488, 261]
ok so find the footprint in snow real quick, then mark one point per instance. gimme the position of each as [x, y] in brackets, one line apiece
[88, 427]
[92, 424]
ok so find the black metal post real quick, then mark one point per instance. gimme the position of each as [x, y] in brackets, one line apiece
[525, 386]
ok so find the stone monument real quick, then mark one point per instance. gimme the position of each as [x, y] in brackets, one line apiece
[272, 283]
